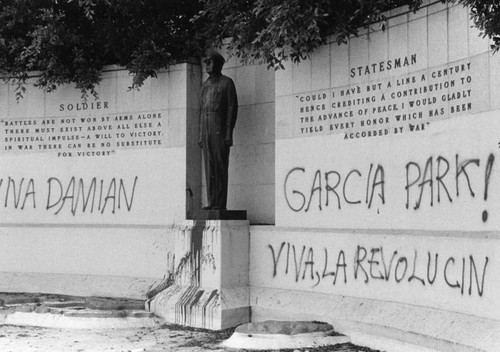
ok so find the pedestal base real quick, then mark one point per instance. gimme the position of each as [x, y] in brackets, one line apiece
[203, 307]
[211, 276]
[220, 215]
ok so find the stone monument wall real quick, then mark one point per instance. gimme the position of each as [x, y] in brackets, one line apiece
[398, 129]
[378, 161]
[93, 188]
[388, 184]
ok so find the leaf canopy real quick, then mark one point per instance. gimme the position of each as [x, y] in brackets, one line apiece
[70, 41]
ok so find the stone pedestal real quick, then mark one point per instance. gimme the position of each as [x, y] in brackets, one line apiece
[210, 278]
[220, 215]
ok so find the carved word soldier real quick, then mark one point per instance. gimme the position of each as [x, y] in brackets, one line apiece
[219, 109]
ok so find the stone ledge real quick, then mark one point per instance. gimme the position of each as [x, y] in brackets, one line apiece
[63, 321]
[220, 215]
[274, 334]
[202, 307]
[76, 284]
[425, 327]
[25, 300]
[283, 327]
[59, 311]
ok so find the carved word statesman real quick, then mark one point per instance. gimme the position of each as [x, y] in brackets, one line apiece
[219, 109]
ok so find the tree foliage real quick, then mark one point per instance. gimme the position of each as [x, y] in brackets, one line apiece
[276, 30]
[486, 16]
[70, 41]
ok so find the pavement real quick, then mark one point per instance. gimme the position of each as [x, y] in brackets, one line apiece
[150, 339]
[164, 338]
[42, 323]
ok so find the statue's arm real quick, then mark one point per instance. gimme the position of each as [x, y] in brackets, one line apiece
[232, 111]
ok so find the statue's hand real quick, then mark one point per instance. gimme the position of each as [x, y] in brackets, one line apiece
[200, 144]
[229, 141]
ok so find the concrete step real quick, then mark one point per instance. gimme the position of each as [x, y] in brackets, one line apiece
[276, 335]
[54, 311]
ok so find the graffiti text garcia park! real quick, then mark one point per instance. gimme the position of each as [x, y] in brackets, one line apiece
[436, 180]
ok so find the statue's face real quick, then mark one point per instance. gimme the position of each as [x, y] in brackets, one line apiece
[212, 66]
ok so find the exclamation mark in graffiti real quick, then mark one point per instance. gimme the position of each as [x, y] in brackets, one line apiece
[487, 174]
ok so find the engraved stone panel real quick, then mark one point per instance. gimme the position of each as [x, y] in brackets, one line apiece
[410, 142]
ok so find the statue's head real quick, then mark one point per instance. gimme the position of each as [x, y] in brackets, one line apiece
[214, 61]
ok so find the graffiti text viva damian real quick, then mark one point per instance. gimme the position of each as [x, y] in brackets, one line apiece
[76, 195]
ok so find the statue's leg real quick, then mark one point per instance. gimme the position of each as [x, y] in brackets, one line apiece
[209, 174]
[224, 165]
[221, 165]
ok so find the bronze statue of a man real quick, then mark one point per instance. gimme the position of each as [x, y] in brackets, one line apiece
[219, 109]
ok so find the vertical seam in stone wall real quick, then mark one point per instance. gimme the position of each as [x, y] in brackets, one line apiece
[44, 104]
[468, 33]
[427, 39]
[186, 80]
[447, 35]
[368, 39]
[407, 36]
[116, 92]
[388, 45]
[7, 107]
[310, 63]
[329, 64]
[349, 60]
[150, 103]
[489, 53]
